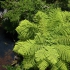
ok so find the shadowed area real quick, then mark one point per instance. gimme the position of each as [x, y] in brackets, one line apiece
[6, 46]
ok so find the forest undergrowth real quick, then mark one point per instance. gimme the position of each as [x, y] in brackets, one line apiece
[43, 28]
[45, 42]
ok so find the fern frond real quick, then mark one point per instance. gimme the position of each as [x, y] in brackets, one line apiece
[26, 30]
[43, 65]
[28, 47]
[47, 53]
[42, 22]
[64, 40]
[58, 24]
[24, 48]
[28, 63]
[54, 67]
[38, 16]
[40, 39]
[60, 65]
[66, 16]
[64, 52]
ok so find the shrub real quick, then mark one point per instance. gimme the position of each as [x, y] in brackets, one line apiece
[19, 10]
[50, 46]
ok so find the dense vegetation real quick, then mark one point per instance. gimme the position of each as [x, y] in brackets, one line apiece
[18, 10]
[45, 42]
[43, 28]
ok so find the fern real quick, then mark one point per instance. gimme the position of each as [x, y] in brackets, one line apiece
[47, 53]
[59, 66]
[28, 63]
[26, 30]
[64, 40]
[58, 22]
[45, 42]
[30, 47]
[43, 65]
[64, 52]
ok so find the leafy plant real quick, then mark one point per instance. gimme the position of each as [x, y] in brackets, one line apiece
[26, 30]
[64, 4]
[9, 67]
[45, 45]
[19, 10]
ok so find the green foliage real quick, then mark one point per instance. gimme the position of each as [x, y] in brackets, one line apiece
[64, 4]
[59, 26]
[19, 10]
[43, 65]
[26, 30]
[64, 52]
[59, 66]
[47, 44]
[42, 56]
[26, 9]
[47, 52]
[9, 67]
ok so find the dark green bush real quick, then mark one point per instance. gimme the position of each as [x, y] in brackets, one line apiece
[19, 10]
[64, 4]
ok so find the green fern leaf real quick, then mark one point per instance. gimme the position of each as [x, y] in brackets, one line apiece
[64, 40]
[23, 48]
[54, 67]
[27, 48]
[26, 30]
[38, 16]
[47, 53]
[64, 52]
[28, 63]
[61, 65]
[43, 65]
